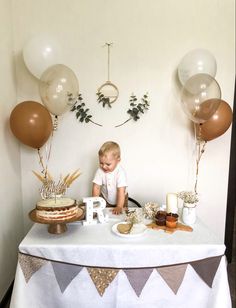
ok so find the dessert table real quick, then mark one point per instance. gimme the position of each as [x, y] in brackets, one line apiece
[90, 266]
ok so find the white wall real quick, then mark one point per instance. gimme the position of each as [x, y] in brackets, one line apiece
[11, 219]
[150, 37]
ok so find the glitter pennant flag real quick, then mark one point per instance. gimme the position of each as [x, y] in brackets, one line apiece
[206, 269]
[102, 277]
[65, 273]
[138, 278]
[173, 275]
[30, 265]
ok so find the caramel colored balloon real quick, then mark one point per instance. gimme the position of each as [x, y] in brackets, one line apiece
[31, 123]
[218, 123]
[207, 109]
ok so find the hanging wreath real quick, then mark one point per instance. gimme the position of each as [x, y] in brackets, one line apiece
[136, 109]
[107, 94]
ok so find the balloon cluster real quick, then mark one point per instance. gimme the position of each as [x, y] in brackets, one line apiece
[201, 95]
[30, 121]
[201, 100]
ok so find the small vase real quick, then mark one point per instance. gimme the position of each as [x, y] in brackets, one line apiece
[189, 214]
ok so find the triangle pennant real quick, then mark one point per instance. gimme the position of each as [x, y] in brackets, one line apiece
[206, 269]
[102, 277]
[138, 278]
[30, 265]
[173, 275]
[65, 273]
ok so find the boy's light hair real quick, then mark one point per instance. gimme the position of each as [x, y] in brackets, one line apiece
[110, 147]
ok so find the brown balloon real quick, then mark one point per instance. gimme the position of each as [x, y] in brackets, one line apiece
[31, 123]
[218, 123]
[207, 109]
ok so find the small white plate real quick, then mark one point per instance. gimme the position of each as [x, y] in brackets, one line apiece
[137, 230]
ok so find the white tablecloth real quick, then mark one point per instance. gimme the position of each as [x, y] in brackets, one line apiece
[97, 246]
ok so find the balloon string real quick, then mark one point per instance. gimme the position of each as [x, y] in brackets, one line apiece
[44, 171]
[55, 123]
[48, 153]
[200, 149]
[50, 147]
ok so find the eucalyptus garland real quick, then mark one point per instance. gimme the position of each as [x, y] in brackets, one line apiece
[81, 112]
[101, 98]
[136, 109]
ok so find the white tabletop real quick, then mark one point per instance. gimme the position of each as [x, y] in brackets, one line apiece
[149, 269]
[97, 245]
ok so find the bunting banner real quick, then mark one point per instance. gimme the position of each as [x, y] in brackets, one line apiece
[65, 273]
[206, 269]
[172, 274]
[30, 265]
[102, 277]
[138, 278]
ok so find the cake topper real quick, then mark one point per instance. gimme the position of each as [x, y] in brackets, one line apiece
[52, 189]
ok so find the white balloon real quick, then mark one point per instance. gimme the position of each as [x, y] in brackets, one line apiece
[40, 53]
[197, 61]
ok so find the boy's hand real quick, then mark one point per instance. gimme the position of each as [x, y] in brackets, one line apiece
[117, 210]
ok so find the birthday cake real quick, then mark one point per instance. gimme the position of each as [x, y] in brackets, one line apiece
[56, 209]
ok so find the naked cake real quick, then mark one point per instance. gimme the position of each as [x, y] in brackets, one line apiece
[56, 209]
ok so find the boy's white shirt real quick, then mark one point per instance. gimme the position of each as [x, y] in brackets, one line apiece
[110, 181]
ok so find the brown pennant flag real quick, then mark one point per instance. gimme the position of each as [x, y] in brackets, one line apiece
[30, 265]
[138, 278]
[65, 273]
[102, 277]
[173, 275]
[206, 268]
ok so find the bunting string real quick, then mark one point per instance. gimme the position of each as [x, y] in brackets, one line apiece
[102, 277]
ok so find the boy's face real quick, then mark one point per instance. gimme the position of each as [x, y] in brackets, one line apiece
[108, 162]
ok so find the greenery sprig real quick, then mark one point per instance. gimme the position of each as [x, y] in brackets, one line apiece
[101, 98]
[136, 109]
[81, 112]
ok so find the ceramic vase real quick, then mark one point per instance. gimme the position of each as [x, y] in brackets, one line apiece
[189, 214]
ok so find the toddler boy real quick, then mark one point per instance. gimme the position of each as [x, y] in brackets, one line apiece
[110, 179]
